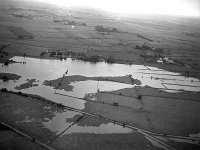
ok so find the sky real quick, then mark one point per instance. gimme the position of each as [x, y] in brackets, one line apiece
[167, 7]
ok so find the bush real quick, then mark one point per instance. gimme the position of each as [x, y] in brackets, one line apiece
[114, 30]
[101, 28]
[137, 47]
[110, 60]
[6, 63]
[5, 78]
[19, 93]
[52, 54]
[139, 97]
[43, 53]
[4, 90]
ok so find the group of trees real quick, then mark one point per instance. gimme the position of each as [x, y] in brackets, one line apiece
[145, 47]
[4, 90]
[101, 28]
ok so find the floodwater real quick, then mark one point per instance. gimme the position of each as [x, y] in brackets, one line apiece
[44, 69]
[79, 89]
[60, 122]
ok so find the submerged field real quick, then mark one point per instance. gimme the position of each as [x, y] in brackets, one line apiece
[84, 79]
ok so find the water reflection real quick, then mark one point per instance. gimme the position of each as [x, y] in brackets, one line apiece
[59, 123]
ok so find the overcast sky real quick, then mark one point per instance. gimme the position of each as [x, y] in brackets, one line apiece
[170, 7]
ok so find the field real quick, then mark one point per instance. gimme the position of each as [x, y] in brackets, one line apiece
[136, 40]
[135, 117]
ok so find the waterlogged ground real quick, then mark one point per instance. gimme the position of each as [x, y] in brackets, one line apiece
[64, 120]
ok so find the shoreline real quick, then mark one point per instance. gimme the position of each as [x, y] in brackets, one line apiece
[168, 67]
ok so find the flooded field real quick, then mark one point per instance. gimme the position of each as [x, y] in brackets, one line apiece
[93, 79]
[59, 123]
[84, 78]
[43, 69]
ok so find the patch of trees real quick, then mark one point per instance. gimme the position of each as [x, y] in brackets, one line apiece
[82, 56]
[157, 51]
[4, 90]
[139, 97]
[53, 54]
[143, 47]
[149, 58]
[101, 28]
[6, 63]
